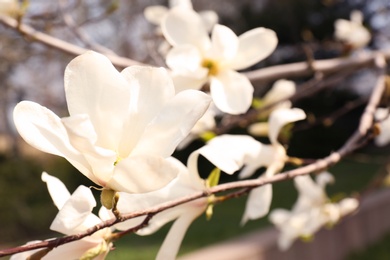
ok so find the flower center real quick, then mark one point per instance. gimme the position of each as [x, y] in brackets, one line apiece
[118, 159]
[211, 65]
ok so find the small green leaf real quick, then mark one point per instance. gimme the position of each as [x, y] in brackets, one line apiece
[213, 178]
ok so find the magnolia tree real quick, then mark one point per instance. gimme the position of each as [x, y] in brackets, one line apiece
[123, 126]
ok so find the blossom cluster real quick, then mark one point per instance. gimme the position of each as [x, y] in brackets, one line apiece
[123, 128]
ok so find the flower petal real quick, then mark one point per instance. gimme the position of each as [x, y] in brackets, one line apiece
[42, 129]
[75, 212]
[151, 89]
[282, 117]
[173, 123]
[184, 59]
[280, 90]
[254, 46]
[57, 190]
[94, 87]
[154, 14]
[170, 246]
[209, 18]
[224, 43]
[184, 26]
[232, 92]
[142, 173]
[82, 136]
[230, 152]
[258, 203]
[185, 82]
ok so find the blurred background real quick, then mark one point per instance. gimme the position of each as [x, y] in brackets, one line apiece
[32, 71]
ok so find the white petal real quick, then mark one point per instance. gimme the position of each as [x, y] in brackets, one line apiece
[82, 136]
[230, 152]
[281, 89]
[185, 82]
[348, 205]
[154, 14]
[151, 89]
[209, 18]
[184, 59]
[42, 129]
[173, 123]
[232, 92]
[324, 178]
[94, 87]
[57, 190]
[75, 211]
[258, 203]
[224, 43]
[184, 26]
[279, 216]
[172, 242]
[382, 115]
[142, 173]
[181, 3]
[254, 46]
[282, 117]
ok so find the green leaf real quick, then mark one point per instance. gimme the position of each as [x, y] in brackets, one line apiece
[213, 178]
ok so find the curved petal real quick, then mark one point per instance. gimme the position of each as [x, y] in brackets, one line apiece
[42, 129]
[173, 123]
[258, 203]
[280, 90]
[232, 92]
[184, 26]
[151, 89]
[254, 46]
[154, 14]
[224, 43]
[230, 152]
[75, 211]
[94, 87]
[209, 18]
[82, 136]
[282, 117]
[142, 173]
[170, 246]
[184, 59]
[185, 82]
[279, 216]
[57, 190]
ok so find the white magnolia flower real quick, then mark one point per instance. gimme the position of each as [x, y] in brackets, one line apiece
[196, 59]
[352, 32]
[155, 14]
[382, 115]
[188, 182]
[231, 152]
[280, 90]
[74, 216]
[311, 211]
[9, 7]
[121, 126]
